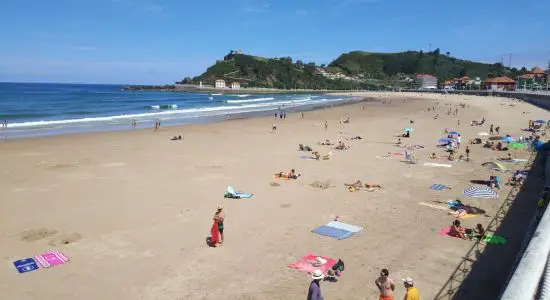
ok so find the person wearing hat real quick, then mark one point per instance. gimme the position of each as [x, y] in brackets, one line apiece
[412, 292]
[386, 285]
[314, 292]
[219, 216]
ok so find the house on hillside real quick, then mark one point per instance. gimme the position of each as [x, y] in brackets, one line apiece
[500, 83]
[220, 84]
[235, 85]
[449, 85]
[426, 82]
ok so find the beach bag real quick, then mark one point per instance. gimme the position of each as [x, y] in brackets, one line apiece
[338, 266]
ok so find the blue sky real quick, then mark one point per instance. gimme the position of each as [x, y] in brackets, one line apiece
[160, 41]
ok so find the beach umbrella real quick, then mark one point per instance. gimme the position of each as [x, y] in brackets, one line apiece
[480, 192]
[491, 165]
[408, 129]
[540, 121]
[445, 140]
[507, 139]
[453, 133]
[483, 134]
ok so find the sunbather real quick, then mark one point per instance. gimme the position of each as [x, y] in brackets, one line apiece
[433, 156]
[459, 213]
[371, 187]
[356, 186]
[457, 230]
[326, 143]
[316, 155]
[176, 138]
[398, 141]
[341, 146]
[477, 233]
[290, 175]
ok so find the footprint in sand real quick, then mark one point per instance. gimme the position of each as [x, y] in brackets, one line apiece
[37, 234]
[65, 239]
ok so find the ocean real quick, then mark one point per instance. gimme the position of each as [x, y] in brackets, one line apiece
[37, 109]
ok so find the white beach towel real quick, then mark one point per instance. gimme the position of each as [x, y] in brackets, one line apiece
[344, 226]
[437, 165]
[441, 207]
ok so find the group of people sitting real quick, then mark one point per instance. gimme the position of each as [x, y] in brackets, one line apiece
[290, 175]
[358, 185]
[326, 143]
[459, 231]
[517, 179]
[302, 147]
[477, 123]
[407, 134]
[497, 147]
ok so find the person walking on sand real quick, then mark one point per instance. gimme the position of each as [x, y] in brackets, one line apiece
[458, 141]
[134, 123]
[497, 129]
[219, 216]
[273, 128]
[314, 292]
[468, 153]
[302, 115]
[386, 285]
[412, 292]
[326, 125]
[491, 131]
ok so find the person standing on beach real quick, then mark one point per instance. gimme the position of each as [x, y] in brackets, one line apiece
[497, 129]
[458, 141]
[412, 292]
[386, 285]
[314, 292]
[326, 125]
[468, 153]
[491, 130]
[219, 216]
[275, 115]
[5, 125]
[134, 123]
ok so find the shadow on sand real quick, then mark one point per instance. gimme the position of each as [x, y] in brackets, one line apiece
[484, 271]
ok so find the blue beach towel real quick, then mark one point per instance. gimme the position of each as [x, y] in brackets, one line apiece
[25, 265]
[338, 234]
[439, 187]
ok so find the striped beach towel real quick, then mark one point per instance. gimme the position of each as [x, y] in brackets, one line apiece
[51, 259]
[439, 187]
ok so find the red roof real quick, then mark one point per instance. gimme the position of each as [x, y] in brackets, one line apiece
[502, 79]
[537, 70]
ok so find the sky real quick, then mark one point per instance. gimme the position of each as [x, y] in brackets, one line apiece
[161, 41]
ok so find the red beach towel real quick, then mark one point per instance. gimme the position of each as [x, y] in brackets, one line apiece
[214, 233]
[305, 264]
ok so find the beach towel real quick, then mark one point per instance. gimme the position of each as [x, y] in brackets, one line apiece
[214, 233]
[344, 226]
[441, 207]
[305, 264]
[338, 234]
[439, 187]
[237, 194]
[488, 238]
[437, 165]
[51, 259]
[25, 265]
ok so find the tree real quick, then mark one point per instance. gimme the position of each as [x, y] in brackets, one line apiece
[436, 52]
[448, 53]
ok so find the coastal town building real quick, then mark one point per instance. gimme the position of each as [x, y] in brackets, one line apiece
[235, 85]
[220, 84]
[426, 81]
[500, 83]
[449, 85]
[533, 80]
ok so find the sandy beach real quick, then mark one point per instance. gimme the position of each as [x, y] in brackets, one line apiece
[132, 209]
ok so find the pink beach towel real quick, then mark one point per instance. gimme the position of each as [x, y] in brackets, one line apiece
[445, 231]
[51, 259]
[305, 264]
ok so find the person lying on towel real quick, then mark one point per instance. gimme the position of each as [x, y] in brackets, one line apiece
[352, 187]
[290, 175]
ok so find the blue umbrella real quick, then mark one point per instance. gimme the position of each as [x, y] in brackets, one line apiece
[445, 140]
[540, 121]
[453, 132]
[507, 139]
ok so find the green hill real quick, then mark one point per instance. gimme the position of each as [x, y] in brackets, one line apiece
[387, 65]
[364, 70]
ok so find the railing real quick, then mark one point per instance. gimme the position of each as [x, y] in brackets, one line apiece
[525, 282]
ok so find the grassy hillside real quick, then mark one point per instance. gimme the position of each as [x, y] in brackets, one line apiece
[375, 70]
[387, 65]
[254, 71]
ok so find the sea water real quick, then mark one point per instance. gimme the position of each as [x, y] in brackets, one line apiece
[36, 109]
